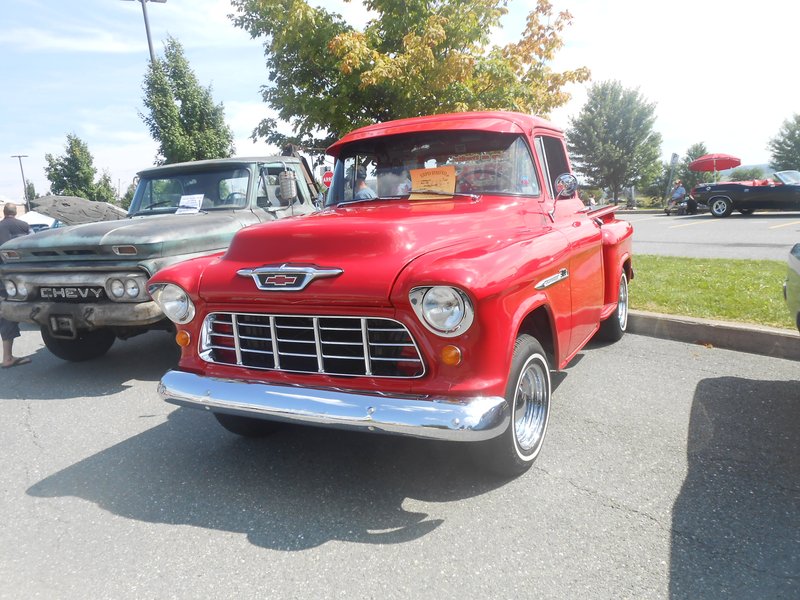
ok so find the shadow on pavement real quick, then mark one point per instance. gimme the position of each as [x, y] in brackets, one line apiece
[142, 358]
[736, 522]
[294, 490]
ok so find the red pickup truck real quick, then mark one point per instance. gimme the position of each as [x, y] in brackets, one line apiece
[452, 268]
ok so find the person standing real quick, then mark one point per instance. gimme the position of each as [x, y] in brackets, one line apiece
[11, 227]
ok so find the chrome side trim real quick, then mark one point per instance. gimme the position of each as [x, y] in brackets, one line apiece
[439, 418]
[553, 279]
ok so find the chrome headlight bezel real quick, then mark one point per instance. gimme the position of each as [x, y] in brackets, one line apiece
[173, 301]
[444, 310]
[126, 288]
[15, 290]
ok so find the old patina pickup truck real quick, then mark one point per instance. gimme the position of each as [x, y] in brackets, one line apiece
[453, 267]
[85, 285]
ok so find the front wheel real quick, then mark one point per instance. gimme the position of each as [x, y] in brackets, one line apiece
[528, 396]
[614, 327]
[721, 207]
[86, 345]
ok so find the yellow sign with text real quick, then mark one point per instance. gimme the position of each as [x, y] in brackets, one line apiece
[440, 179]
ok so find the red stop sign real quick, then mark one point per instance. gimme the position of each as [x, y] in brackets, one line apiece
[327, 177]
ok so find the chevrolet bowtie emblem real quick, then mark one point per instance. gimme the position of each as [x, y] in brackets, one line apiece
[287, 277]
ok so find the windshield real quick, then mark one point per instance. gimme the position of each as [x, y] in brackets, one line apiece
[788, 177]
[471, 162]
[192, 191]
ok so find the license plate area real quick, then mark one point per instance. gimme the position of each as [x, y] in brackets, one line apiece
[63, 326]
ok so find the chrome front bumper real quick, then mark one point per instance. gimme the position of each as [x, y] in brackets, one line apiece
[439, 418]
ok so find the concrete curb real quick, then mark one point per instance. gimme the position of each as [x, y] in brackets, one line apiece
[769, 341]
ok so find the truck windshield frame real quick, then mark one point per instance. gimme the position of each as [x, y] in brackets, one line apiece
[485, 163]
[225, 188]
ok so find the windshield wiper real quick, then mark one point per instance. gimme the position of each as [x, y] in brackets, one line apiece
[445, 194]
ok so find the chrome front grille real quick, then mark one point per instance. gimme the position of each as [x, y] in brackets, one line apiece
[350, 346]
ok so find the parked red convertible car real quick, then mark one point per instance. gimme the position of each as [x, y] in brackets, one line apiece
[780, 193]
[433, 305]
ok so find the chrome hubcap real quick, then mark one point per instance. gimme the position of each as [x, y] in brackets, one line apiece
[531, 404]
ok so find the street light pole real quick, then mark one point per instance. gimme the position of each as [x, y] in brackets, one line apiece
[24, 183]
[147, 27]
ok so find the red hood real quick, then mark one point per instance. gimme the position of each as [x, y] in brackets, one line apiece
[370, 243]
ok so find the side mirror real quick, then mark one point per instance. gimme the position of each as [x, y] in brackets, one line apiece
[566, 184]
[288, 185]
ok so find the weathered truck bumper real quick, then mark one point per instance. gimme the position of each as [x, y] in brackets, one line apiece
[84, 316]
[465, 419]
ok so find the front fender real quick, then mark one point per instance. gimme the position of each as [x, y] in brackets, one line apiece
[500, 279]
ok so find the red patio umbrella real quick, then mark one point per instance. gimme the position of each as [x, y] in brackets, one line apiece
[714, 162]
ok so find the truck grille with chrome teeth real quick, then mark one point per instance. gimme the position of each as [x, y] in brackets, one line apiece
[349, 346]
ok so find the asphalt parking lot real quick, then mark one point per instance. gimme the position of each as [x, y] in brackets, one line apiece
[670, 471]
[762, 235]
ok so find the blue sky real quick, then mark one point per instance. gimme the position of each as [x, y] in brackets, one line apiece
[718, 73]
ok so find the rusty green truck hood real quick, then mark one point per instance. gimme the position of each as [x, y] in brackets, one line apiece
[152, 237]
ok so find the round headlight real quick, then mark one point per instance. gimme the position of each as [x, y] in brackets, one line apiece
[447, 311]
[131, 288]
[117, 288]
[22, 289]
[174, 302]
[11, 289]
[443, 308]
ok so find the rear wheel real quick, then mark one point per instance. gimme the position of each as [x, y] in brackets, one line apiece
[86, 345]
[613, 328]
[528, 397]
[721, 207]
[246, 426]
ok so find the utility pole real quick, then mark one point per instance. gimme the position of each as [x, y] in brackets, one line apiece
[24, 183]
[147, 26]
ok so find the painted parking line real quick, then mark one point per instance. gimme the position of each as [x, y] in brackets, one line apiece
[785, 224]
[640, 220]
[701, 222]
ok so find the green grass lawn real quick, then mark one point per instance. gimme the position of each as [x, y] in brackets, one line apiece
[747, 291]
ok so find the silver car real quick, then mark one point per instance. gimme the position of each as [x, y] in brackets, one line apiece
[791, 287]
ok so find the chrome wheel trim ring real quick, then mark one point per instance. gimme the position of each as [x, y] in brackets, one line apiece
[531, 407]
[719, 207]
[622, 303]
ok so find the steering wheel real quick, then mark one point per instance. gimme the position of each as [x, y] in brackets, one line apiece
[234, 197]
[481, 179]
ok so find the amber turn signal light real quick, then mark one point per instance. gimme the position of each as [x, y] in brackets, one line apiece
[182, 338]
[451, 355]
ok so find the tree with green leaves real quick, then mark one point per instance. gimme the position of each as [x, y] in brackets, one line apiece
[73, 173]
[127, 198]
[30, 190]
[746, 174]
[182, 117]
[612, 139]
[691, 178]
[785, 147]
[415, 57]
[104, 190]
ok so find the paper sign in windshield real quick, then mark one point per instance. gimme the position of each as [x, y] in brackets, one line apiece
[190, 203]
[440, 179]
